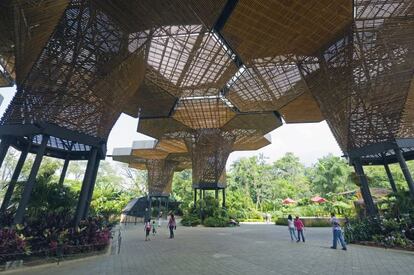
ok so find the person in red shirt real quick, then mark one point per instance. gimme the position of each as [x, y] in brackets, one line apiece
[299, 227]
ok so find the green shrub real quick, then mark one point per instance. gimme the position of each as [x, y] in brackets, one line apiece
[190, 220]
[308, 222]
[216, 222]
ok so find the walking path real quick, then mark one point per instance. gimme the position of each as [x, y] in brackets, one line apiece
[248, 249]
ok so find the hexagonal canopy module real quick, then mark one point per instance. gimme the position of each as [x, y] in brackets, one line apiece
[162, 158]
[211, 130]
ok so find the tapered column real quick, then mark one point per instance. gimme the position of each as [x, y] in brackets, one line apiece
[28, 187]
[366, 193]
[14, 178]
[209, 150]
[91, 188]
[4, 147]
[64, 170]
[390, 178]
[87, 180]
[406, 172]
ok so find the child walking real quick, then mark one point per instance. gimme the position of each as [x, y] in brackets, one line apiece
[299, 227]
[147, 228]
[154, 228]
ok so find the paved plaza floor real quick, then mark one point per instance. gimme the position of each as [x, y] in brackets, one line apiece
[248, 249]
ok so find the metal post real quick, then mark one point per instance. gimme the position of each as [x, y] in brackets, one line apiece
[204, 194]
[390, 178]
[64, 170]
[216, 194]
[224, 198]
[195, 197]
[91, 188]
[366, 193]
[406, 172]
[18, 218]
[168, 201]
[4, 147]
[87, 179]
[14, 178]
[200, 195]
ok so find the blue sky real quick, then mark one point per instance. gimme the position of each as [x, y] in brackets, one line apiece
[308, 141]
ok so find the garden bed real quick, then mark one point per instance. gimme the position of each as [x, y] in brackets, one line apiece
[375, 244]
[40, 258]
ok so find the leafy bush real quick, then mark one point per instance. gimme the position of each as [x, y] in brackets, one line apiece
[190, 220]
[207, 212]
[384, 232]
[216, 222]
[308, 222]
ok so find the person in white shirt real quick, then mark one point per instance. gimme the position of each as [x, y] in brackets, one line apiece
[291, 228]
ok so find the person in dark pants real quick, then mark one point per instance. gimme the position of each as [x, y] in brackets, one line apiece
[299, 228]
[147, 228]
[172, 225]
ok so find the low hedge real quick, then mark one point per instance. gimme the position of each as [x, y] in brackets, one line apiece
[190, 220]
[309, 221]
[216, 222]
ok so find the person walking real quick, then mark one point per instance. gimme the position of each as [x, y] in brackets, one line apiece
[299, 227]
[160, 219]
[337, 233]
[172, 225]
[154, 228]
[291, 228]
[147, 228]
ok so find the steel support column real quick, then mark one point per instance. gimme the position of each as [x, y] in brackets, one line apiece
[4, 147]
[18, 218]
[216, 194]
[91, 188]
[13, 180]
[406, 172]
[64, 170]
[390, 178]
[366, 193]
[195, 197]
[87, 180]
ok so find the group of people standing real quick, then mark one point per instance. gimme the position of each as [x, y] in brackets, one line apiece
[148, 226]
[297, 226]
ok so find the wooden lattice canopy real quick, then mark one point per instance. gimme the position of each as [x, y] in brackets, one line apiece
[159, 158]
[200, 65]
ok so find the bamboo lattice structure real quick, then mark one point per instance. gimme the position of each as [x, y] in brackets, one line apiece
[192, 65]
[363, 80]
[158, 160]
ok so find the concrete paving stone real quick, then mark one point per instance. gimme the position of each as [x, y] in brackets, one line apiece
[248, 249]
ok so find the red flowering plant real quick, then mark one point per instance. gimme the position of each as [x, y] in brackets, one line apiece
[13, 244]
